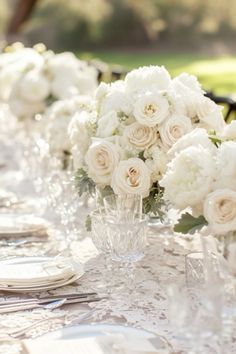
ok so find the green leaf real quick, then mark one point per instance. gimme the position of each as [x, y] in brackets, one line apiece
[189, 224]
[88, 223]
[84, 183]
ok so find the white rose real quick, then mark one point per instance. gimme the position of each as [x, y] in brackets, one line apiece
[209, 114]
[78, 130]
[172, 129]
[34, 86]
[107, 125]
[226, 165]
[102, 158]
[151, 109]
[147, 78]
[220, 210]
[140, 136]
[229, 131]
[189, 177]
[131, 177]
[197, 137]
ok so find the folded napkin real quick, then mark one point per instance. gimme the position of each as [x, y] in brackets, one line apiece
[107, 344]
[31, 274]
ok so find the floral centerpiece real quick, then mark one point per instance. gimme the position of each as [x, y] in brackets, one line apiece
[202, 176]
[121, 145]
[32, 78]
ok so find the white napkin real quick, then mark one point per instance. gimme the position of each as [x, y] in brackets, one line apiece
[37, 274]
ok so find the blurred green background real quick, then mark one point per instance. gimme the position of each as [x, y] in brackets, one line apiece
[197, 36]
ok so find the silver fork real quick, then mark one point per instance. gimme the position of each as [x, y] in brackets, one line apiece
[50, 306]
[22, 332]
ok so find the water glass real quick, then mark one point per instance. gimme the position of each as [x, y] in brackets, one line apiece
[127, 238]
[124, 207]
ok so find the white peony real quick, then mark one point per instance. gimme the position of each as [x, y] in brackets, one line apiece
[33, 86]
[229, 131]
[173, 128]
[189, 177]
[131, 177]
[107, 125]
[102, 158]
[197, 137]
[147, 79]
[220, 210]
[151, 109]
[226, 165]
[185, 83]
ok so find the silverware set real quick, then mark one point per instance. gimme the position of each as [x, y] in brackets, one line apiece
[50, 302]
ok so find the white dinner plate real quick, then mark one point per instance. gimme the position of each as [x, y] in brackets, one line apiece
[85, 331]
[47, 285]
[15, 225]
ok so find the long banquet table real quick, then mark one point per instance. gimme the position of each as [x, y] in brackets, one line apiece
[163, 264]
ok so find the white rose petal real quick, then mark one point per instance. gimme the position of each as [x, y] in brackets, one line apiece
[151, 109]
[220, 210]
[172, 129]
[102, 158]
[131, 177]
[189, 177]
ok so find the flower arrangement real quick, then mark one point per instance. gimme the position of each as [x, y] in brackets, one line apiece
[202, 176]
[122, 143]
[32, 78]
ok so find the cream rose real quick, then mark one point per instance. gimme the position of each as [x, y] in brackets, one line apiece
[172, 129]
[140, 136]
[102, 158]
[220, 210]
[131, 177]
[151, 109]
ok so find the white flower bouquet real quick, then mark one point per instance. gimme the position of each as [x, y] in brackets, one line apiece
[122, 144]
[202, 176]
[32, 78]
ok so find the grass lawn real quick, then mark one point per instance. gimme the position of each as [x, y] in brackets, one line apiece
[215, 73]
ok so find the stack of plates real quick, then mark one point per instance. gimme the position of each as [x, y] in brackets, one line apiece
[26, 274]
[14, 225]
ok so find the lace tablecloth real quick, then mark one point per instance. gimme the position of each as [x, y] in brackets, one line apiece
[147, 307]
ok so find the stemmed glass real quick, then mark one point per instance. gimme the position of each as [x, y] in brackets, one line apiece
[119, 231]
